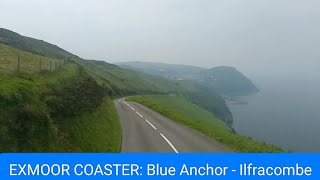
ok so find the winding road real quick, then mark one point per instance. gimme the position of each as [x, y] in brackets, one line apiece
[144, 130]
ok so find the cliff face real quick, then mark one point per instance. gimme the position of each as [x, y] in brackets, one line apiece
[212, 102]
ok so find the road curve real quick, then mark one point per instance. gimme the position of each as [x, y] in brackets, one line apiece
[144, 130]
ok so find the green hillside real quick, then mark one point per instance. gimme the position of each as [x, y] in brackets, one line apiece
[32, 45]
[207, 99]
[170, 71]
[228, 81]
[179, 109]
[222, 80]
[125, 82]
[122, 82]
[48, 111]
[30, 63]
[118, 82]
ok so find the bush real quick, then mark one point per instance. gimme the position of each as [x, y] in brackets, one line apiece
[32, 127]
[56, 104]
[83, 95]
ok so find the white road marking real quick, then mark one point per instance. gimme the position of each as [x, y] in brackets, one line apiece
[139, 114]
[164, 137]
[175, 150]
[151, 124]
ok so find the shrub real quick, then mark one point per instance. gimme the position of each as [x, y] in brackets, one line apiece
[32, 127]
[83, 95]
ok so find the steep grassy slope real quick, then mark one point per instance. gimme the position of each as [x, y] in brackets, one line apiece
[32, 45]
[64, 110]
[49, 111]
[180, 110]
[30, 63]
[125, 82]
[93, 131]
[25, 124]
[206, 99]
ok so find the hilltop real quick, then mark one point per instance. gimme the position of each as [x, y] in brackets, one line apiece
[32, 45]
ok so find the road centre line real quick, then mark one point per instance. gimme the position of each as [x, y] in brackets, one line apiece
[175, 150]
[139, 114]
[151, 124]
[163, 136]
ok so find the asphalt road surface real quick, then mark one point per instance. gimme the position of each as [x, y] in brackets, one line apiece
[144, 130]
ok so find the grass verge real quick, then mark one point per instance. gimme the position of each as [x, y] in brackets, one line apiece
[96, 131]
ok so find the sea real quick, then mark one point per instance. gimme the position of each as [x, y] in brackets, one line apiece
[285, 112]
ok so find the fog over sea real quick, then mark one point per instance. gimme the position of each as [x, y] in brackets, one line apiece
[286, 113]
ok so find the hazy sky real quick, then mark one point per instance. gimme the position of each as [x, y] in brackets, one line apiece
[263, 37]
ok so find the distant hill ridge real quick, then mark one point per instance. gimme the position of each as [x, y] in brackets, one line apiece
[223, 79]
